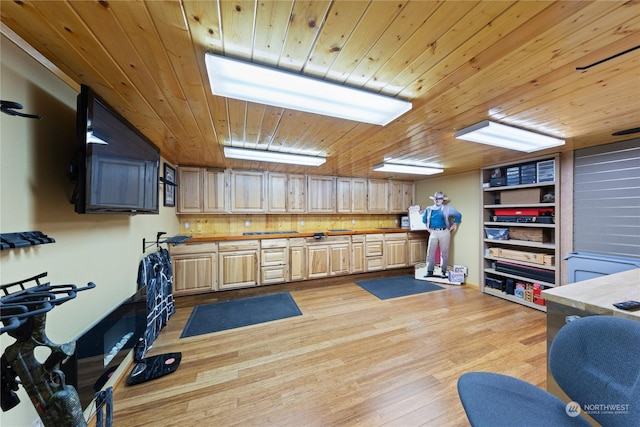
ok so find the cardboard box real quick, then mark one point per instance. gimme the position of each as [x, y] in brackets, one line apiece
[531, 234]
[549, 260]
[522, 256]
[523, 195]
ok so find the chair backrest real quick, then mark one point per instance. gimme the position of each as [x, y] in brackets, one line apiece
[596, 361]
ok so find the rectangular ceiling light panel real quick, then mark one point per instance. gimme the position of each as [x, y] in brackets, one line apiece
[273, 156]
[409, 169]
[255, 83]
[496, 134]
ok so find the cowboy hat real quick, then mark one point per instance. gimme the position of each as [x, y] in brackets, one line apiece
[438, 195]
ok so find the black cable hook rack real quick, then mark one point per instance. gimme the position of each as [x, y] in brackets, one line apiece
[175, 240]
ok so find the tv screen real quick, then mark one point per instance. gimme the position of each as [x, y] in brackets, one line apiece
[118, 167]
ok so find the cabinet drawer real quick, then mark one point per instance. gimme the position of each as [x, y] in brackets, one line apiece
[193, 248]
[274, 274]
[274, 256]
[239, 245]
[373, 248]
[374, 263]
[274, 243]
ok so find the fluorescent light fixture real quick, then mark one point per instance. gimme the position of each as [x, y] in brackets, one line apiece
[491, 133]
[273, 156]
[409, 169]
[255, 83]
[92, 139]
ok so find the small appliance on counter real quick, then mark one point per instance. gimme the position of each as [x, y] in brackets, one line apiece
[404, 221]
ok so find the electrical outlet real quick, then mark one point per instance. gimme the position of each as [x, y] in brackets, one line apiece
[186, 225]
[301, 223]
[247, 223]
[353, 222]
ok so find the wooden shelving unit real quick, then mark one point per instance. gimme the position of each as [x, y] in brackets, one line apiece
[539, 251]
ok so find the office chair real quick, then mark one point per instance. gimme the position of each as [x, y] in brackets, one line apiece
[596, 362]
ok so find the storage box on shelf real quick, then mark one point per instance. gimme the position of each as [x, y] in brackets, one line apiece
[520, 213]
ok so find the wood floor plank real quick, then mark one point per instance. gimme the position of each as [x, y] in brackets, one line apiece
[349, 360]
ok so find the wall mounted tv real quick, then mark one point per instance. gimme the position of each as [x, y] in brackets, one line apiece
[117, 168]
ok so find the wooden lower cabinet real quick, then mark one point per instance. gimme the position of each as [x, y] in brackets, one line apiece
[297, 259]
[238, 264]
[374, 252]
[395, 250]
[357, 254]
[206, 267]
[274, 261]
[317, 261]
[417, 247]
[195, 268]
[339, 259]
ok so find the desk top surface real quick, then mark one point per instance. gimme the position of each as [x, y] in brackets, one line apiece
[598, 295]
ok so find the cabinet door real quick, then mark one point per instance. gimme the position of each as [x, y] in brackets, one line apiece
[317, 261]
[343, 195]
[378, 196]
[189, 190]
[357, 257]
[215, 191]
[321, 197]
[408, 195]
[297, 263]
[396, 253]
[417, 251]
[400, 196]
[276, 192]
[194, 273]
[396, 197]
[339, 259]
[247, 191]
[297, 193]
[238, 269]
[359, 195]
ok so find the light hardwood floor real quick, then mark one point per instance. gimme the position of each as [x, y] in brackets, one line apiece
[349, 360]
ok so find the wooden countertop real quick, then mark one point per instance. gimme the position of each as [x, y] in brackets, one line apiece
[598, 295]
[222, 237]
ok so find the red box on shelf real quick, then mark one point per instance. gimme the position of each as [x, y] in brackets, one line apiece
[523, 212]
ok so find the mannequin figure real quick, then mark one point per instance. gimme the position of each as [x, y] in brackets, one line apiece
[440, 220]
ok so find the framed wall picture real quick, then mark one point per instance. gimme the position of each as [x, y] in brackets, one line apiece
[169, 185]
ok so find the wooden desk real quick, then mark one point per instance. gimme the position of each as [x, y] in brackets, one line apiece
[588, 298]
[597, 296]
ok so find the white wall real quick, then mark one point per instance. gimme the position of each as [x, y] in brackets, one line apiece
[34, 195]
[463, 191]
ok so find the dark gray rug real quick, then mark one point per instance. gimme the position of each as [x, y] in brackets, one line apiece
[394, 287]
[225, 315]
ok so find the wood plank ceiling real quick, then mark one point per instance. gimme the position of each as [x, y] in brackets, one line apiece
[459, 62]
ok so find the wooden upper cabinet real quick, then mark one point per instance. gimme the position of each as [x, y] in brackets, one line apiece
[400, 196]
[351, 195]
[215, 190]
[343, 195]
[359, 195]
[286, 193]
[378, 196]
[277, 192]
[321, 196]
[297, 194]
[189, 190]
[247, 191]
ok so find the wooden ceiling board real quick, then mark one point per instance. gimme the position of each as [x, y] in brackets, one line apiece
[305, 21]
[341, 20]
[458, 62]
[271, 30]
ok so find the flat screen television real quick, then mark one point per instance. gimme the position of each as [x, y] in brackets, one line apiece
[117, 167]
